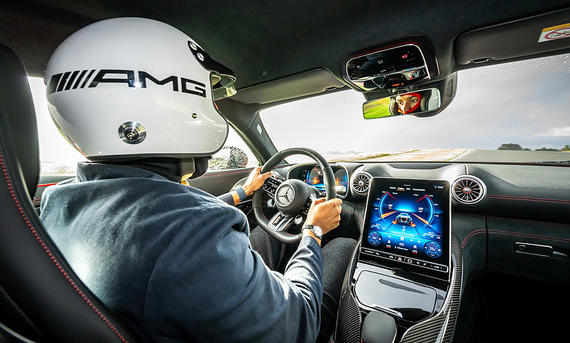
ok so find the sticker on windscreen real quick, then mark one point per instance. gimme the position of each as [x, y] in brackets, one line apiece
[554, 32]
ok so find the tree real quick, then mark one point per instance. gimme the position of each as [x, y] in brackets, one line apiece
[229, 157]
[566, 148]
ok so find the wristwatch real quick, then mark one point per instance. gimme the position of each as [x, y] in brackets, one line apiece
[317, 231]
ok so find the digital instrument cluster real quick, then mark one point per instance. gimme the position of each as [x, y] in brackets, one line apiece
[314, 177]
[407, 221]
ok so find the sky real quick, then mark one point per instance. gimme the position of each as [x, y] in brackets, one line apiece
[526, 103]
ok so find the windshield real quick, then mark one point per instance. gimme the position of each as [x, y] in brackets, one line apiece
[512, 112]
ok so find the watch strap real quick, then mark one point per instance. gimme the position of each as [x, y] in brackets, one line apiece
[311, 227]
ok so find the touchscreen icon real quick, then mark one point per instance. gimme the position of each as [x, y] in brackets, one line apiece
[374, 238]
[432, 249]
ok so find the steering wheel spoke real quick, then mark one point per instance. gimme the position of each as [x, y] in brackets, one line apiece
[271, 184]
[280, 222]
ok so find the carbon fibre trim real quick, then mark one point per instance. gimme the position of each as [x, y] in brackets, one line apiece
[349, 320]
[440, 327]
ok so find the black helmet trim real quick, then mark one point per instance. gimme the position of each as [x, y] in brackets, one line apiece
[223, 78]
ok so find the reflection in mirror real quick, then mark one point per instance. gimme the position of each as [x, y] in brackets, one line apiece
[413, 103]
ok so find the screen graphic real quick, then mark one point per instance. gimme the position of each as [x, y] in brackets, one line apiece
[408, 220]
[316, 178]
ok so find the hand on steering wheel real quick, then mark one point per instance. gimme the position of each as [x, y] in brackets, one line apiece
[254, 181]
[325, 214]
[293, 198]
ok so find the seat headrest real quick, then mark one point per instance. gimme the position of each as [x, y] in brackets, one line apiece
[18, 128]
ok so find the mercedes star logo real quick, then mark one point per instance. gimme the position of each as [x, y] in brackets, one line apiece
[285, 195]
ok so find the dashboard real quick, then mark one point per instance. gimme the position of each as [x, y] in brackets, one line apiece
[511, 218]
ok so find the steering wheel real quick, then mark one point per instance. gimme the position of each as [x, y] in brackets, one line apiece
[292, 198]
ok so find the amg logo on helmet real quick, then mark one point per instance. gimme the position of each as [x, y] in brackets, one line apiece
[80, 79]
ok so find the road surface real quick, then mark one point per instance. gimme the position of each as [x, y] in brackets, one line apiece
[469, 155]
[513, 156]
[421, 155]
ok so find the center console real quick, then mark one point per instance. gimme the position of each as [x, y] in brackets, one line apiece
[407, 264]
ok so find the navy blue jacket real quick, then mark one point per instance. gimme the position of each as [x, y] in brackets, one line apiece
[177, 261]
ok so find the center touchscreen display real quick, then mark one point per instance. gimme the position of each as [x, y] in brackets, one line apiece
[408, 221]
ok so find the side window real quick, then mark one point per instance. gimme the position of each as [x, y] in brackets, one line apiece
[234, 154]
[57, 156]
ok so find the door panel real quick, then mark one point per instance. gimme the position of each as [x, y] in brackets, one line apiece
[220, 182]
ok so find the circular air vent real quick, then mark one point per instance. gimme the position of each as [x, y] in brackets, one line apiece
[468, 189]
[361, 182]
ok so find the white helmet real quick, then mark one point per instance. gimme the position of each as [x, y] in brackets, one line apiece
[134, 87]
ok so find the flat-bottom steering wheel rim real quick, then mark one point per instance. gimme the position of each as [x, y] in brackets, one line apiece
[329, 182]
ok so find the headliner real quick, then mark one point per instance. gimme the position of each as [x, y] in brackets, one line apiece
[270, 40]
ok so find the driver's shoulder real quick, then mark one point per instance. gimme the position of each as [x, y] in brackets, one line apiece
[196, 203]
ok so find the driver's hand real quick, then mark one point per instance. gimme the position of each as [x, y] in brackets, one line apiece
[255, 181]
[325, 214]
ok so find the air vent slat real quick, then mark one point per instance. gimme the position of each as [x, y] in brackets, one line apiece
[468, 189]
[361, 182]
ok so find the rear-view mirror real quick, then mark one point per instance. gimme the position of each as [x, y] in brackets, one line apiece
[412, 103]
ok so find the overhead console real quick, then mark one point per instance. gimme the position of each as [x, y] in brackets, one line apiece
[396, 65]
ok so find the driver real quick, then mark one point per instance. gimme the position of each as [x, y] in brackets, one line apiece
[134, 96]
[408, 103]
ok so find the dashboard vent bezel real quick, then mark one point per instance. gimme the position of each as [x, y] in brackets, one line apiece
[467, 198]
[356, 188]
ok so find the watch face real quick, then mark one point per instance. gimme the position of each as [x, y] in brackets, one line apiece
[318, 231]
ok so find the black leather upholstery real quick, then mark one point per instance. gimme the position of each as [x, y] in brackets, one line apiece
[39, 293]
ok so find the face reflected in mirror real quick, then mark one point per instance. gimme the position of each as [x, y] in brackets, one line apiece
[408, 103]
[412, 103]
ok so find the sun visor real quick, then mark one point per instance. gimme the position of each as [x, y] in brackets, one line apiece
[310, 82]
[525, 37]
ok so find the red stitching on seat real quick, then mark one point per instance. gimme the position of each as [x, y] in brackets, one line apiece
[471, 235]
[52, 257]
